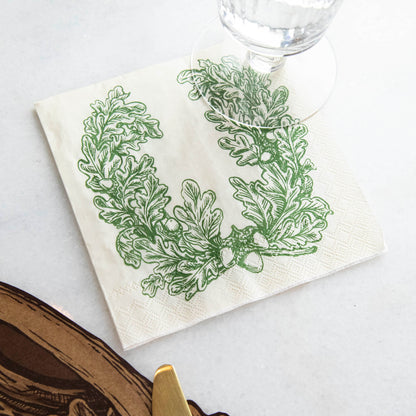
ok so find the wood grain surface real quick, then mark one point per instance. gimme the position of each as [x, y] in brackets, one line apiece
[51, 366]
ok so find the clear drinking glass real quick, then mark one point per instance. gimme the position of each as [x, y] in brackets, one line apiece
[277, 37]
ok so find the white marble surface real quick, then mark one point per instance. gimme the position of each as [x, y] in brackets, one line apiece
[343, 345]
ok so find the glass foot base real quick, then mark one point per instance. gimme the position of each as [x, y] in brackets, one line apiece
[308, 76]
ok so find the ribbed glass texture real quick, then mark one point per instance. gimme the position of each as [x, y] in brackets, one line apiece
[277, 27]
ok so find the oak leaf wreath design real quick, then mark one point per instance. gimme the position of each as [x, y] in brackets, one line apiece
[185, 244]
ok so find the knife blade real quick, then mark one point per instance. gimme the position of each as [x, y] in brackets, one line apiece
[167, 396]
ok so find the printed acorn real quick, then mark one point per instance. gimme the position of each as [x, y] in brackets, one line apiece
[244, 249]
[172, 225]
[252, 262]
[260, 240]
[227, 257]
[266, 157]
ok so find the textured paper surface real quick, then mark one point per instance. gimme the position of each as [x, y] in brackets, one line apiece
[189, 149]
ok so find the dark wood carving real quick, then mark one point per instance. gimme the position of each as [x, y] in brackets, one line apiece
[51, 366]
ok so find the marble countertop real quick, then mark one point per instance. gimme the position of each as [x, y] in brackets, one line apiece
[342, 345]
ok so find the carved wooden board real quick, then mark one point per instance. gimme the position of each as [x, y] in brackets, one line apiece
[51, 366]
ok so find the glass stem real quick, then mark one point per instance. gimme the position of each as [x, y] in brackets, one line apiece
[264, 63]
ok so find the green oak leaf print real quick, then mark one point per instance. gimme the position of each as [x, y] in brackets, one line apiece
[184, 243]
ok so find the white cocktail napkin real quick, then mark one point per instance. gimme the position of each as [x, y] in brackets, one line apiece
[187, 215]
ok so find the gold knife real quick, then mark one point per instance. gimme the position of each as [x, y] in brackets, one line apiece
[167, 397]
